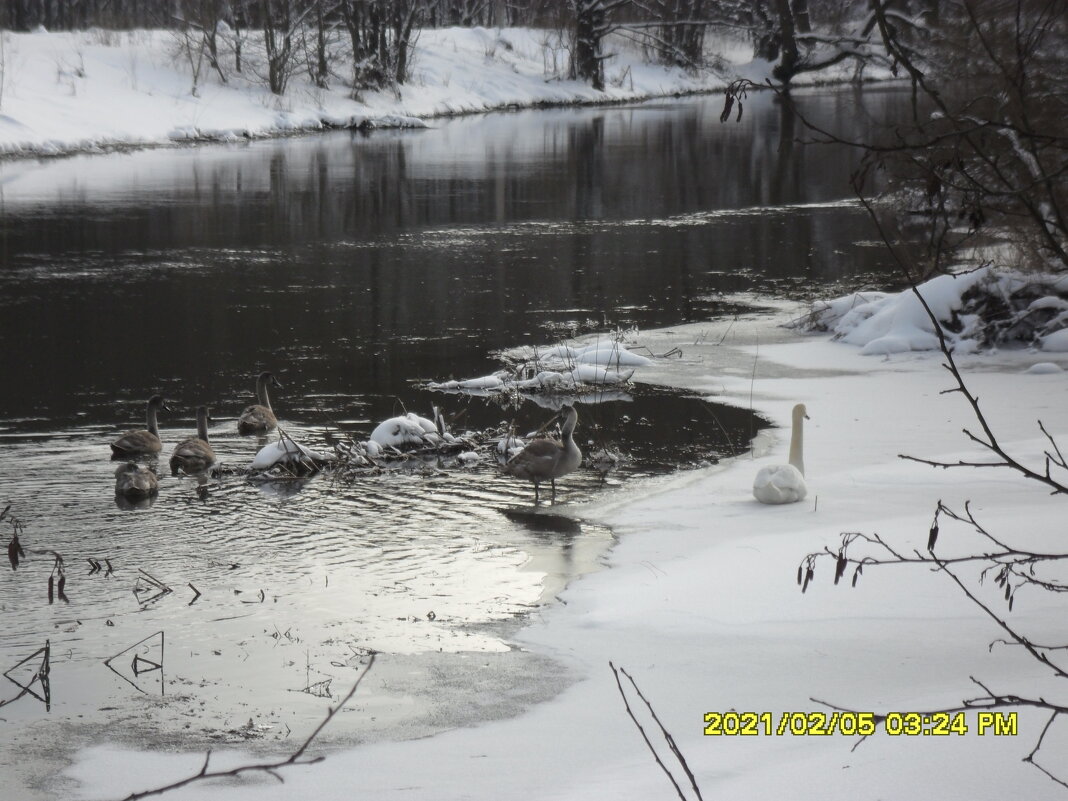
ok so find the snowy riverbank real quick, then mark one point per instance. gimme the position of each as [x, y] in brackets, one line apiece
[96, 90]
[702, 608]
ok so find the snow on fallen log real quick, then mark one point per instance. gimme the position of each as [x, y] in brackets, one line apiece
[978, 309]
[564, 369]
[286, 458]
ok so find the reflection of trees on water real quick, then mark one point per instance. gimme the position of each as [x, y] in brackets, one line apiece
[358, 263]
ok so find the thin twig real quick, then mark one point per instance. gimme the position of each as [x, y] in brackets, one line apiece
[296, 758]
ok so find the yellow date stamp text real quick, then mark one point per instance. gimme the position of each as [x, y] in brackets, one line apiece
[909, 724]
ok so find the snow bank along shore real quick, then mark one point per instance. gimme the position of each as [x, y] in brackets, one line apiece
[702, 608]
[99, 89]
[96, 89]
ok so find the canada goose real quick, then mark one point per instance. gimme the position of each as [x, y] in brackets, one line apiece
[194, 455]
[139, 443]
[547, 459]
[259, 418]
[135, 481]
[785, 483]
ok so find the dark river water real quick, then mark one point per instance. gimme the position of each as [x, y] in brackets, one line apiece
[358, 268]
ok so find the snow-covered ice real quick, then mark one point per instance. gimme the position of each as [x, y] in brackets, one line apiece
[701, 606]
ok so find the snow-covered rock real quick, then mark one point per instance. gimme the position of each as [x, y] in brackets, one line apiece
[1044, 368]
[1057, 342]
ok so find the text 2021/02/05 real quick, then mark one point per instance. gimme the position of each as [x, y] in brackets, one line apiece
[863, 723]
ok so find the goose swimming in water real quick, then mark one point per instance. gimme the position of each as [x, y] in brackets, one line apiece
[259, 417]
[785, 483]
[135, 481]
[144, 442]
[548, 459]
[194, 455]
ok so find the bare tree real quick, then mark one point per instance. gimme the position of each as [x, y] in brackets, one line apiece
[985, 148]
[591, 25]
[191, 48]
[381, 34]
[318, 58]
[200, 19]
[281, 21]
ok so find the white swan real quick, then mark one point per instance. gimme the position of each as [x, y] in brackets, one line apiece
[785, 483]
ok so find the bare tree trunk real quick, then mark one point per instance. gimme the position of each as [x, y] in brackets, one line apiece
[321, 69]
[240, 13]
[788, 62]
[278, 42]
[800, 14]
[587, 61]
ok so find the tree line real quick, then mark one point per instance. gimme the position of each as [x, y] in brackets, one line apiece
[377, 35]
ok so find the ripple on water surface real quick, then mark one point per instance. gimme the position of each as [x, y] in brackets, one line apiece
[297, 580]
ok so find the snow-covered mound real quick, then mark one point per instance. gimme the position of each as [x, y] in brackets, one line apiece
[286, 452]
[978, 309]
[406, 431]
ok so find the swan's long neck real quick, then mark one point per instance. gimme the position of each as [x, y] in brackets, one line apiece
[153, 425]
[202, 424]
[261, 392]
[797, 439]
[568, 429]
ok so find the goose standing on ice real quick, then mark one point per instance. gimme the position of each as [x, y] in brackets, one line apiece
[785, 483]
[194, 455]
[548, 459]
[144, 442]
[259, 417]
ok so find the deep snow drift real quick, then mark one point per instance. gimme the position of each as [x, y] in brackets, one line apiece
[702, 608]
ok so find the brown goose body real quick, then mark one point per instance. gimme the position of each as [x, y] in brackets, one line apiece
[548, 459]
[144, 442]
[135, 481]
[259, 417]
[194, 455]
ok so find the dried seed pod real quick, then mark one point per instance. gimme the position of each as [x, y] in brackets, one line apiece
[856, 575]
[800, 574]
[59, 589]
[728, 103]
[840, 567]
[51, 587]
[933, 537]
